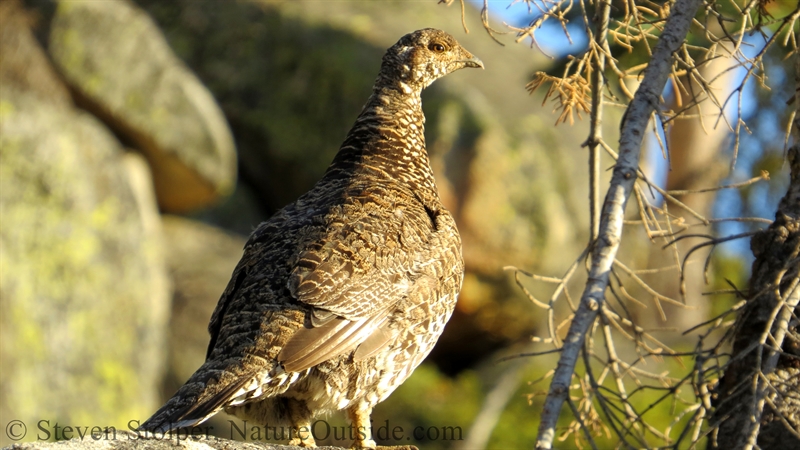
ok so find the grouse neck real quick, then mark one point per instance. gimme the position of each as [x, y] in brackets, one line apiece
[387, 142]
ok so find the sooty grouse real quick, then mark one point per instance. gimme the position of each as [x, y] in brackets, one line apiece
[341, 294]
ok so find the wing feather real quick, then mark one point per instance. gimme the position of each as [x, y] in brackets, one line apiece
[355, 269]
[377, 341]
[311, 346]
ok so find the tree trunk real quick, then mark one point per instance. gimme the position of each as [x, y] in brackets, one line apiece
[758, 399]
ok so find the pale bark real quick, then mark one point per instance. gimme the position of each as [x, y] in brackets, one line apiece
[605, 248]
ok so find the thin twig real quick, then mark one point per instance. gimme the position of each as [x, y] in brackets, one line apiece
[634, 124]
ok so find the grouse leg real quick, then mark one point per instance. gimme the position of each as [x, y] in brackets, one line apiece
[359, 419]
[301, 424]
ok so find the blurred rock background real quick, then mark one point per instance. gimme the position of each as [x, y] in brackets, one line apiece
[141, 142]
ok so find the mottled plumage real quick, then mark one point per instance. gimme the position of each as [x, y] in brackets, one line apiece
[340, 295]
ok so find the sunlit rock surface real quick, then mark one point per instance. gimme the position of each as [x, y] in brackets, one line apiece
[122, 69]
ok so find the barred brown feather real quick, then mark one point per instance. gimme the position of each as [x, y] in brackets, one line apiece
[341, 294]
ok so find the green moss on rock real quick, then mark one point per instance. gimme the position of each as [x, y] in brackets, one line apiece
[83, 289]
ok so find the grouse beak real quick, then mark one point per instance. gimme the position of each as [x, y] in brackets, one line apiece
[472, 62]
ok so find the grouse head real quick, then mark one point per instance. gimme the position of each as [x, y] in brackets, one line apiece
[421, 57]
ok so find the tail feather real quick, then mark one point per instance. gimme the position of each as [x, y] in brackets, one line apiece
[206, 392]
[170, 417]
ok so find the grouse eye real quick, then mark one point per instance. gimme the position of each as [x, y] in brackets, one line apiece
[436, 47]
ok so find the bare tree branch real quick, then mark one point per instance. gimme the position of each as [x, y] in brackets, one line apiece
[634, 126]
[615, 397]
[598, 52]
